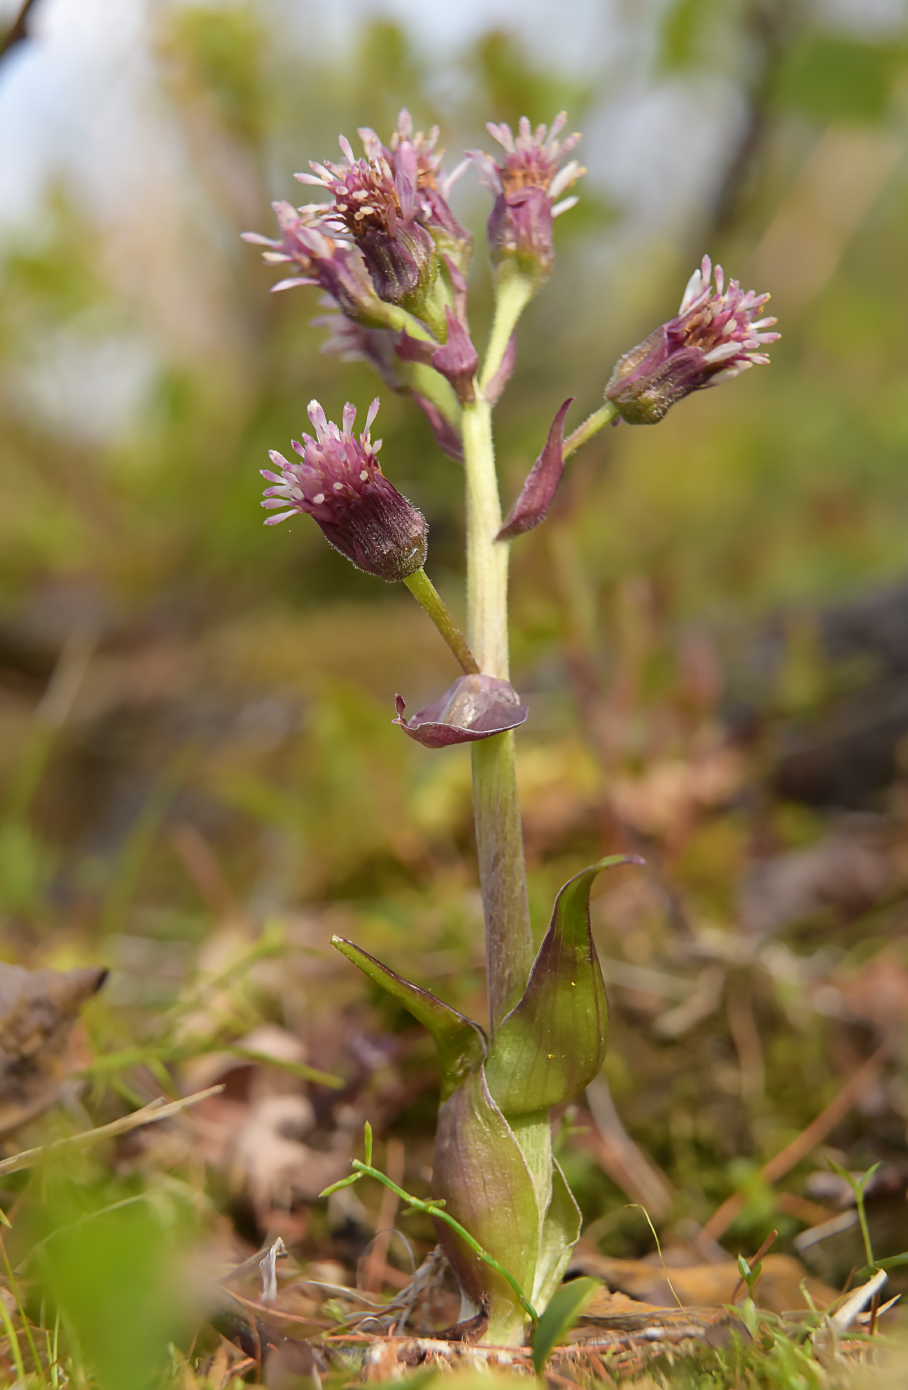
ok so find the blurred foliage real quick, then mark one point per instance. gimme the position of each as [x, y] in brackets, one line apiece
[200, 777]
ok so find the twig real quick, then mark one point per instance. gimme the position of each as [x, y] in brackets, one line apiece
[800, 1147]
[18, 30]
[156, 1110]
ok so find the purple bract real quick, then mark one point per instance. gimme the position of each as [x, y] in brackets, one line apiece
[474, 707]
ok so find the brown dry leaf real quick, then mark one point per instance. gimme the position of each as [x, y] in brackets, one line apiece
[877, 993]
[271, 1161]
[37, 1010]
[849, 870]
[668, 794]
[708, 1285]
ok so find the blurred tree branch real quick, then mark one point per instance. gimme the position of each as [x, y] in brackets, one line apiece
[18, 31]
[768, 28]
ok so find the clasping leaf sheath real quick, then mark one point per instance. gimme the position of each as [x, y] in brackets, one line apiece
[553, 1043]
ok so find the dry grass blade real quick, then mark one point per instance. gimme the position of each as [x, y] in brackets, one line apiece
[149, 1114]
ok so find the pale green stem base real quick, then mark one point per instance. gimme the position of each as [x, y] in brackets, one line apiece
[428, 597]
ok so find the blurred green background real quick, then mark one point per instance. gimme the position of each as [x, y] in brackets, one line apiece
[195, 735]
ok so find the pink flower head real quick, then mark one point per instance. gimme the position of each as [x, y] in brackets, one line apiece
[528, 184]
[715, 336]
[339, 483]
[392, 203]
[320, 260]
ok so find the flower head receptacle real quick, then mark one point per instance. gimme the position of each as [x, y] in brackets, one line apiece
[528, 184]
[338, 482]
[715, 336]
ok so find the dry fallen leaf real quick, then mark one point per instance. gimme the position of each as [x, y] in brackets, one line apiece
[37, 1010]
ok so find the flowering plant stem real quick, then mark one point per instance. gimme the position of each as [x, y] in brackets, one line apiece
[499, 838]
[428, 597]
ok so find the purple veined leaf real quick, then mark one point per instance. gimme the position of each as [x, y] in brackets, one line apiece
[446, 436]
[461, 1043]
[543, 478]
[502, 376]
[414, 349]
[473, 707]
[480, 1172]
[458, 359]
[553, 1043]
[459, 286]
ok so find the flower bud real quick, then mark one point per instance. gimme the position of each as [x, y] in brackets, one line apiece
[340, 485]
[714, 337]
[526, 185]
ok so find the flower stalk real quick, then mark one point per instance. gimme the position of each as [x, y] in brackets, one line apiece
[429, 599]
[496, 810]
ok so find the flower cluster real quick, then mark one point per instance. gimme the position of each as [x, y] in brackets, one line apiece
[714, 336]
[339, 483]
[528, 185]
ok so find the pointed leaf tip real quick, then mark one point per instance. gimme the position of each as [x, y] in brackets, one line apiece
[461, 1043]
[563, 1311]
[553, 1043]
[536, 496]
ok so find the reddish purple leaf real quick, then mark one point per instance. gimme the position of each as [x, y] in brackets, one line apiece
[414, 349]
[535, 499]
[502, 376]
[458, 359]
[446, 436]
[474, 707]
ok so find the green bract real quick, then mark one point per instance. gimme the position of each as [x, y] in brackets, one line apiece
[461, 1043]
[553, 1043]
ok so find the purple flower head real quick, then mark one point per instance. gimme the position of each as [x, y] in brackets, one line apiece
[392, 204]
[320, 260]
[339, 483]
[714, 336]
[415, 152]
[528, 185]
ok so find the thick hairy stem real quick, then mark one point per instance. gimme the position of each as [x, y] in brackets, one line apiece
[509, 941]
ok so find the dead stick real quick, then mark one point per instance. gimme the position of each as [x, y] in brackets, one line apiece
[800, 1147]
[18, 30]
[146, 1116]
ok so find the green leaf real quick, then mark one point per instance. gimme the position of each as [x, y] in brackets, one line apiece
[559, 1234]
[553, 1043]
[480, 1172]
[560, 1316]
[893, 1262]
[461, 1043]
